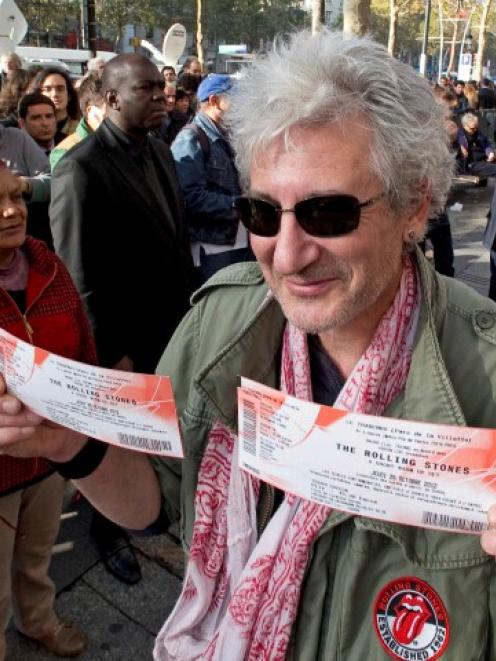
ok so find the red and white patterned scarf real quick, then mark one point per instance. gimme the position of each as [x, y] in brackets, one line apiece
[240, 596]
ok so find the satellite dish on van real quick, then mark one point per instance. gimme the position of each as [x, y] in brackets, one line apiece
[13, 26]
[174, 44]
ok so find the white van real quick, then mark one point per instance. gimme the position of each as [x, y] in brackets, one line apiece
[73, 60]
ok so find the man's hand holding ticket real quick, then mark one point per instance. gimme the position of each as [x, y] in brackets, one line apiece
[411, 473]
[134, 411]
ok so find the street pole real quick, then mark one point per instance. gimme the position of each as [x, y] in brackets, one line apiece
[465, 33]
[441, 40]
[199, 32]
[92, 27]
[318, 15]
[425, 41]
[83, 32]
[88, 26]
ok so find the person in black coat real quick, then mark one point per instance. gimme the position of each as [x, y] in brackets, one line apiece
[116, 218]
[487, 95]
[117, 223]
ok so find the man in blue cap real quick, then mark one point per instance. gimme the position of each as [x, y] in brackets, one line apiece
[209, 182]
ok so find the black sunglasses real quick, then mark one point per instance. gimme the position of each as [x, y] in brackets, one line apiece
[325, 216]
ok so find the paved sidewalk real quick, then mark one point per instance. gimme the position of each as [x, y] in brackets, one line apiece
[121, 621]
[467, 226]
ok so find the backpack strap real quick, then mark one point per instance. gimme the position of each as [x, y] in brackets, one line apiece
[202, 138]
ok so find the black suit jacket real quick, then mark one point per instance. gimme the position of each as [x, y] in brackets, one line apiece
[127, 250]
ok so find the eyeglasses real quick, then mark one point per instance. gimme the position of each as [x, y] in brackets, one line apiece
[324, 216]
[54, 88]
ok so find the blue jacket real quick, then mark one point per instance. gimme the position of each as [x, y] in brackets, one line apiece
[209, 183]
[482, 148]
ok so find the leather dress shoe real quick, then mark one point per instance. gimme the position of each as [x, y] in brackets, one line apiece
[120, 560]
[63, 640]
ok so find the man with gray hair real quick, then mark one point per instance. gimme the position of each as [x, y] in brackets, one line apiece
[476, 150]
[96, 66]
[342, 153]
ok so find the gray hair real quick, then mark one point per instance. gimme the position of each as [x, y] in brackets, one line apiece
[468, 118]
[330, 77]
[93, 63]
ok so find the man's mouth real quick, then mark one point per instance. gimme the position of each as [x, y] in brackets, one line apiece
[309, 287]
[411, 615]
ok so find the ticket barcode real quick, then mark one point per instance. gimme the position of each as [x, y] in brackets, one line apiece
[150, 444]
[452, 522]
[249, 428]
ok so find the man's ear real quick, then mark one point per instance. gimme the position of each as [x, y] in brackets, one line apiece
[418, 217]
[112, 99]
[213, 99]
[21, 123]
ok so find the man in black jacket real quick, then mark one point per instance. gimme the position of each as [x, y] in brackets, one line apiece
[487, 95]
[116, 217]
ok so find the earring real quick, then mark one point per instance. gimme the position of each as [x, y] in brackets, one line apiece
[411, 235]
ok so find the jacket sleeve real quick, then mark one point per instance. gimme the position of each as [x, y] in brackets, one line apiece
[192, 175]
[68, 207]
[487, 145]
[37, 168]
[461, 139]
[179, 363]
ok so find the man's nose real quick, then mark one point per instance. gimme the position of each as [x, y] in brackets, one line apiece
[294, 249]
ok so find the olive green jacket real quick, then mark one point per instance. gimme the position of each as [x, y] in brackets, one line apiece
[234, 329]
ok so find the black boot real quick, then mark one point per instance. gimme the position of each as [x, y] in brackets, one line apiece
[117, 554]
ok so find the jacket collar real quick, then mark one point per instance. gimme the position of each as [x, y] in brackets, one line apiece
[83, 130]
[254, 353]
[212, 130]
[42, 268]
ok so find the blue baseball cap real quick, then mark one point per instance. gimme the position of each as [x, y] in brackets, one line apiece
[214, 83]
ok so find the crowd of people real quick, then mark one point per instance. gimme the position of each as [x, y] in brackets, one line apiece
[315, 178]
[471, 126]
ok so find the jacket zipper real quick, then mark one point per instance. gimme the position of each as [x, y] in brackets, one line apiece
[268, 506]
[27, 325]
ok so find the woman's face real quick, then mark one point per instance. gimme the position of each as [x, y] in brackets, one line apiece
[182, 104]
[13, 216]
[55, 88]
[9, 65]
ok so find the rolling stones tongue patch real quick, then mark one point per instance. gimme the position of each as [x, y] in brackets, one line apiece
[411, 621]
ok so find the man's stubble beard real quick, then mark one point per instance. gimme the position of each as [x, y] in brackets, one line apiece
[299, 311]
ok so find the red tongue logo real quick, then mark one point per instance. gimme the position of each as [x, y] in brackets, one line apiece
[411, 615]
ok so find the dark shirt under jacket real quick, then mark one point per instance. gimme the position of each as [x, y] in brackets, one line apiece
[117, 223]
[327, 381]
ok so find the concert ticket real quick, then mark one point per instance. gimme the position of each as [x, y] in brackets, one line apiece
[134, 411]
[413, 473]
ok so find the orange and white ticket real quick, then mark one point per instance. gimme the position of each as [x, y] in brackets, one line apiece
[413, 473]
[134, 411]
